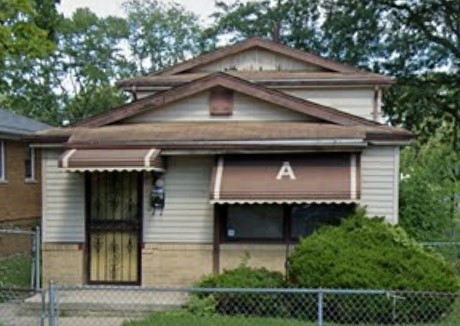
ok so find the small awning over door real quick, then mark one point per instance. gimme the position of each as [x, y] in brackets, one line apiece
[81, 160]
[302, 178]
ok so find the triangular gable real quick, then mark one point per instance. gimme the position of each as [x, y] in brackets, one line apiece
[239, 50]
[159, 100]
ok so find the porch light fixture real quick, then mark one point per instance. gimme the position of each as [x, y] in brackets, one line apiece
[158, 194]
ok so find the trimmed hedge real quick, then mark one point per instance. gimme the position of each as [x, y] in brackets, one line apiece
[365, 253]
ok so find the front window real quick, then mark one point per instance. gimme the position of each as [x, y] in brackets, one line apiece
[246, 222]
[2, 161]
[280, 223]
[306, 219]
[29, 164]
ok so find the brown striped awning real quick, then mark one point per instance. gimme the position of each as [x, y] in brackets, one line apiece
[81, 160]
[294, 178]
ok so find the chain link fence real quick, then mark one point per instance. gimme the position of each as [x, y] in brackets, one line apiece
[137, 306]
[19, 275]
[20, 258]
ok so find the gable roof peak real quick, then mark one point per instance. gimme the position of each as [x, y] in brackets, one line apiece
[234, 83]
[269, 45]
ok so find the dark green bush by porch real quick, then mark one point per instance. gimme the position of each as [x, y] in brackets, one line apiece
[365, 253]
[236, 303]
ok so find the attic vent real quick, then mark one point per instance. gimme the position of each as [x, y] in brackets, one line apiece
[221, 101]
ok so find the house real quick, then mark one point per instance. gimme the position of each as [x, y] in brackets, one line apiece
[235, 153]
[20, 171]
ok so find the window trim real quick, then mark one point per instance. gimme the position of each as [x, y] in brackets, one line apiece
[3, 161]
[32, 178]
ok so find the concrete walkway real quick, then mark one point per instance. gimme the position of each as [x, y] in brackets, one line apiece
[90, 307]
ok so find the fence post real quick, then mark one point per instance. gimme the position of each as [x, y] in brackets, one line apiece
[37, 246]
[320, 307]
[43, 308]
[51, 304]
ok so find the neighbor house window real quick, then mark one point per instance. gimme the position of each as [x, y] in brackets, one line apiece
[279, 222]
[29, 164]
[2, 161]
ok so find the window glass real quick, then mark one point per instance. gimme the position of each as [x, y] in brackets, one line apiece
[29, 163]
[254, 222]
[305, 219]
[2, 160]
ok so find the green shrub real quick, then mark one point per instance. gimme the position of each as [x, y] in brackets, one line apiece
[365, 253]
[240, 303]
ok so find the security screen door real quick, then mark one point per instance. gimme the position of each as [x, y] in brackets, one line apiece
[114, 227]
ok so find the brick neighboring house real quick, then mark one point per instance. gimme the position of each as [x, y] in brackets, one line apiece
[20, 171]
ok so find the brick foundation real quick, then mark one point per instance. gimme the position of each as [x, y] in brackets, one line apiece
[165, 264]
[175, 265]
[270, 256]
[63, 263]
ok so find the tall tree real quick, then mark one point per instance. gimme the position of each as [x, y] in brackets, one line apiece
[162, 34]
[428, 205]
[76, 79]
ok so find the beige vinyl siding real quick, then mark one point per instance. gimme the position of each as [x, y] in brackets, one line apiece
[63, 201]
[188, 215]
[357, 101]
[257, 60]
[196, 108]
[380, 181]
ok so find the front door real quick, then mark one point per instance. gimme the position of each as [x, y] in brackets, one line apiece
[114, 227]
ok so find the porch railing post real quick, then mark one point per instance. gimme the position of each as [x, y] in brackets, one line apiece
[52, 304]
[320, 307]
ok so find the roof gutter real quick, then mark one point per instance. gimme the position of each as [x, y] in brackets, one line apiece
[391, 142]
[339, 142]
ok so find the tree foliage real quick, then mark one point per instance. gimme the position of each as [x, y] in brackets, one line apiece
[20, 32]
[162, 35]
[76, 78]
[429, 191]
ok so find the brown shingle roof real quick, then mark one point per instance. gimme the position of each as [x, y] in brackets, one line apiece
[193, 132]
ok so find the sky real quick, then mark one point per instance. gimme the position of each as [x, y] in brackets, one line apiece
[113, 7]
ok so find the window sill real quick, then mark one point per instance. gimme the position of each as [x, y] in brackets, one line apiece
[30, 181]
[3, 182]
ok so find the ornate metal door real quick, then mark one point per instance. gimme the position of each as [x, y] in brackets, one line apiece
[114, 227]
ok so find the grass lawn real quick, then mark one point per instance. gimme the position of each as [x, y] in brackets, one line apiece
[186, 319]
[15, 271]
